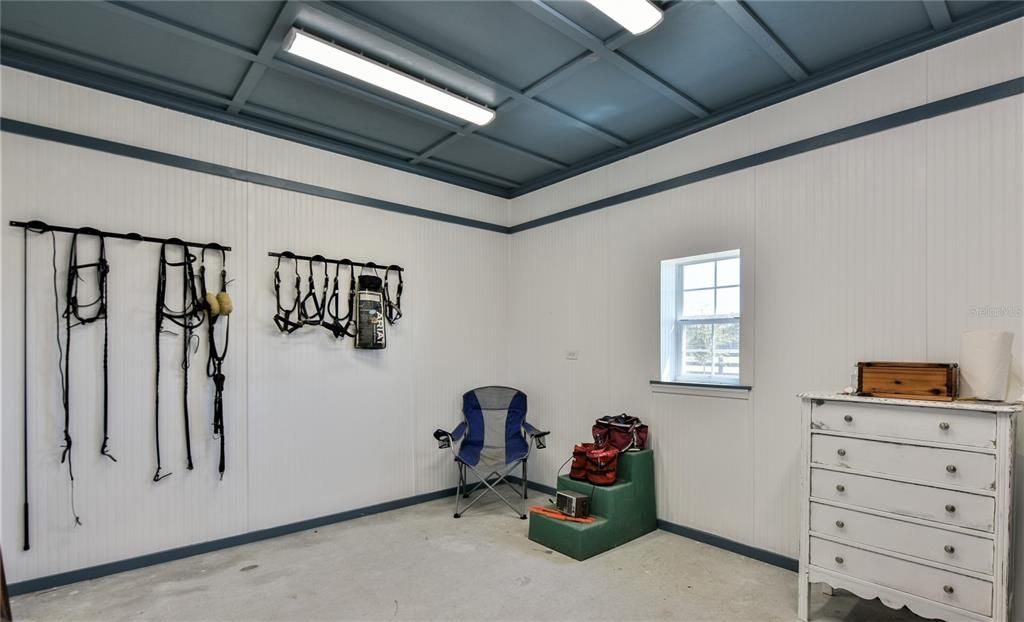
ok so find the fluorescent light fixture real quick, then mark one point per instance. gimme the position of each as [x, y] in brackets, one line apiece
[636, 16]
[361, 68]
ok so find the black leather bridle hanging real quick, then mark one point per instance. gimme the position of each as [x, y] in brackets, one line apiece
[340, 327]
[283, 317]
[314, 317]
[73, 312]
[189, 318]
[393, 309]
[215, 360]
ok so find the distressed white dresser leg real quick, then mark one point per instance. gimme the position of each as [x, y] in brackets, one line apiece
[803, 600]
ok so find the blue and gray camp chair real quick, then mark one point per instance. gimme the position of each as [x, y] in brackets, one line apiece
[494, 437]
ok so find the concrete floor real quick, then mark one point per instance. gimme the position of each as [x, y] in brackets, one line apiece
[418, 563]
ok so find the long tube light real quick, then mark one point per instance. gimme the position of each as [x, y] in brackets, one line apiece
[636, 16]
[359, 67]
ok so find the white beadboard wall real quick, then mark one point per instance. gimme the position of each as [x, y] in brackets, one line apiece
[894, 238]
[313, 427]
[882, 248]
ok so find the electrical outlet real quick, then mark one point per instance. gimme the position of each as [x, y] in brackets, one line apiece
[572, 355]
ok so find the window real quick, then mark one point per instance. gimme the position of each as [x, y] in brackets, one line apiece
[701, 319]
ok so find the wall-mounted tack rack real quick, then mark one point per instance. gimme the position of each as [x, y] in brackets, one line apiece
[42, 227]
[342, 262]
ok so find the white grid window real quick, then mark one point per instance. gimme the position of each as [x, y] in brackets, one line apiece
[701, 338]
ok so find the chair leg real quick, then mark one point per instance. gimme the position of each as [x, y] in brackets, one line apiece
[525, 484]
[458, 488]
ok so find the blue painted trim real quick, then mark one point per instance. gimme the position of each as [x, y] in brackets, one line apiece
[859, 130]
[94, 572]
[139, 153]
[746, 550]
[36, 64]
[977, 97]
[915, 44]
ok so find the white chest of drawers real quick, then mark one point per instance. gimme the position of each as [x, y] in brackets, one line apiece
[909, 502]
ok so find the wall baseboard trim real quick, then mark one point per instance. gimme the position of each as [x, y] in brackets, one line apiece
[761, 555]
[133, 563]
[746, 550]
[160, 557]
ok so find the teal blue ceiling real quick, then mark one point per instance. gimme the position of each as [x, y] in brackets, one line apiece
[572, 90]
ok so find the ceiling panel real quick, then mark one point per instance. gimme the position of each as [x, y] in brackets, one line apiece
[493, 37]
[241, 21]
[288, 94]
[606, 97]
[823, 33]
[713, 60]
[545, 132]
[476, 153]
[85, 27]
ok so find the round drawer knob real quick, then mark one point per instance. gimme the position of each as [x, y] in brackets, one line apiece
[840, 524]
[841, 452]
[839, 560]
[841, 488]
[951, 468]
[943, 426]
[948, 589]
[848, 418]
[949, 548]
[950, 508]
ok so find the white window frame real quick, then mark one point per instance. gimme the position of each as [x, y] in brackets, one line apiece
[673, 328]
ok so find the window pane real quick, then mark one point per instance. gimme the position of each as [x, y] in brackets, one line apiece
[727, 349]
[697, 342]
[728, 301]
[729, 272]
[698, 275]
[699, 303]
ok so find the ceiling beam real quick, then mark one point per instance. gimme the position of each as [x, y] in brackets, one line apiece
[578, 34]
[272, 43]
[938, 14]
[170, 26]
[751, 24]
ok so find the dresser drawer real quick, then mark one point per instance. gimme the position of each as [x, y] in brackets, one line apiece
[938, 545]
[942, 466]
[941, 586]
[937, 504]
[922, 424]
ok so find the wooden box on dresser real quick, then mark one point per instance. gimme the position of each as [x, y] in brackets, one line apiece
[909, 502]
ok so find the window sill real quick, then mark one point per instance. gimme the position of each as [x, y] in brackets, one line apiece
[702, 389]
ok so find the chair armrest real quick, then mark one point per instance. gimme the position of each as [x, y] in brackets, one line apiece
[536, 435]
[444, 439]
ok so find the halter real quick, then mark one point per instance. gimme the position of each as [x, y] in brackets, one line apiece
[215, 360]
[319, 302]
[189, 318]
[283, 317]
[339, 326]
[393, 310]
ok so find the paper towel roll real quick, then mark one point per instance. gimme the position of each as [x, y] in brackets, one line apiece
[985, 364]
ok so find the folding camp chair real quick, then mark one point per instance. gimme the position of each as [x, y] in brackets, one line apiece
[492, 437]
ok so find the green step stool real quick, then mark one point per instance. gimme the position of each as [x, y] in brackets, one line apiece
[622, 511]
